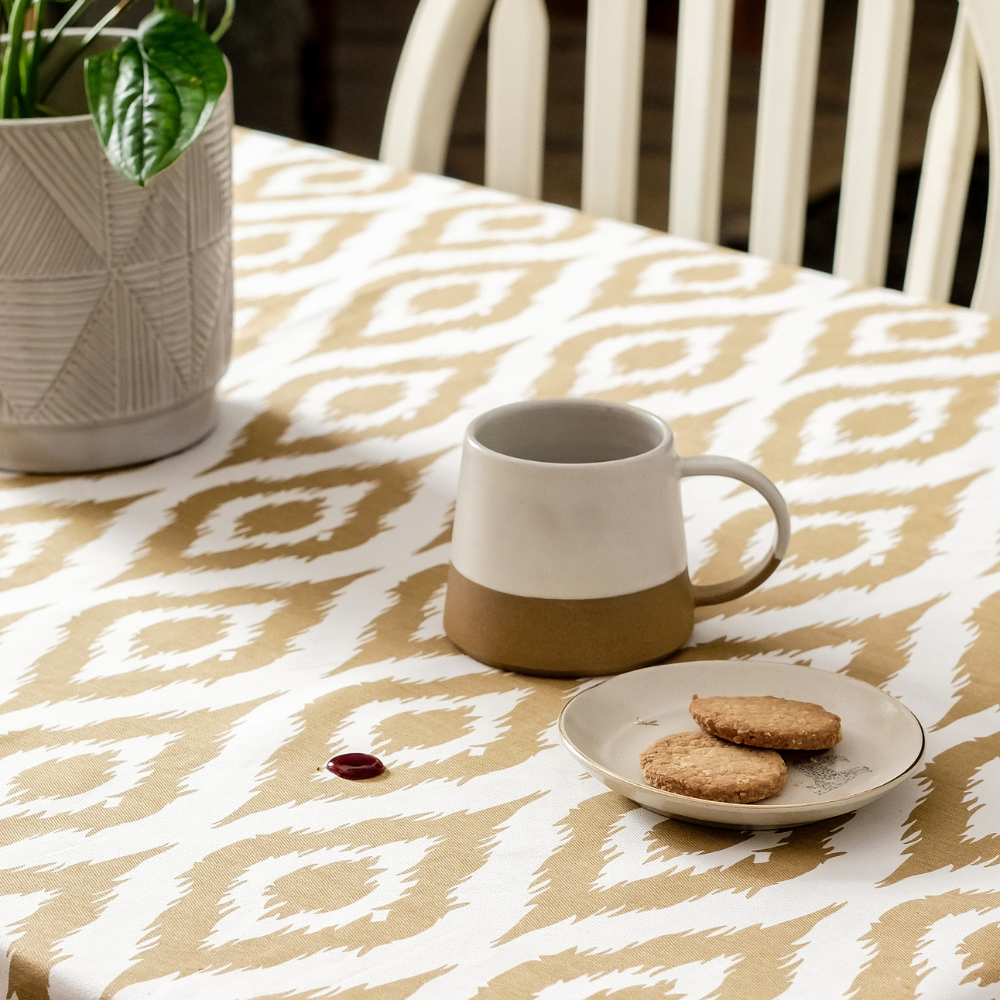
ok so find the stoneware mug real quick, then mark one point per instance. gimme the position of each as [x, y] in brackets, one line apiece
[568, 555]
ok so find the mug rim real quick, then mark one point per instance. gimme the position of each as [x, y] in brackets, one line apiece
[635, 412]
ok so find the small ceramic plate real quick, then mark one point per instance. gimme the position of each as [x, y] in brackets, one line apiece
[606, 727]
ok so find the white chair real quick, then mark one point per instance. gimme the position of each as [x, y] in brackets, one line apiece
[443, 33]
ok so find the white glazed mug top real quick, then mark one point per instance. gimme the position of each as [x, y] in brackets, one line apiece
[569, 499]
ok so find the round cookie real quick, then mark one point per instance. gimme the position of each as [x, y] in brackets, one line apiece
[704, 767]
[771, 722]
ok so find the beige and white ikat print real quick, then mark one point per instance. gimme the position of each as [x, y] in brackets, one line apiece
[183, 645]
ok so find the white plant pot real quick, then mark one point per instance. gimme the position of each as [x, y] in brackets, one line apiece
[116, 302]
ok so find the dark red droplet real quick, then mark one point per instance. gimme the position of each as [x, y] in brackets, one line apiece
[355, 766]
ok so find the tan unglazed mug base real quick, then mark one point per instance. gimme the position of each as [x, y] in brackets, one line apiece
[568, 638]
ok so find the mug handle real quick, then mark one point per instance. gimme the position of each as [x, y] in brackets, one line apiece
[717, 465]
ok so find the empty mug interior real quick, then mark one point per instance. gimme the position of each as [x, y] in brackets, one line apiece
[569, 431]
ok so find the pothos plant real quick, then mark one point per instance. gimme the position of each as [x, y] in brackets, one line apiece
[150, 97]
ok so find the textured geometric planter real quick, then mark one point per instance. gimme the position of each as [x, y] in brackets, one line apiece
[116, 302]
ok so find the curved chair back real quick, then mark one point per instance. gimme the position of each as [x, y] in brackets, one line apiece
[443, 33]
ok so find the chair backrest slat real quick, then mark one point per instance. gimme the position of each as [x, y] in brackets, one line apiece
[792, 30]
[516, 78]
[612, 106]
[952, 133]
[984, 23]
[704, 35]
[428, 79]
[871, 149]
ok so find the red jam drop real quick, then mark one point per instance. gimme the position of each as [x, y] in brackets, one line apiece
[355, 766]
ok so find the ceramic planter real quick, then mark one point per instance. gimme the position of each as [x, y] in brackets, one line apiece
[116, 302]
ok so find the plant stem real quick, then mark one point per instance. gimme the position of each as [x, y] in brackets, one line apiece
[200, 13]
[227, 20]
[9, 75]
[29, 85]
[82, 47]
[66, 21]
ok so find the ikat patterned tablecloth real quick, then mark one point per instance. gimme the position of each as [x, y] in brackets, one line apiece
[183, 645]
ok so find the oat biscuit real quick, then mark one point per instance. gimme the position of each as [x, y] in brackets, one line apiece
[776, 723]
[704, 767]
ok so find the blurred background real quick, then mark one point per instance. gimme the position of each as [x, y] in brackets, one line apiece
[321, 70]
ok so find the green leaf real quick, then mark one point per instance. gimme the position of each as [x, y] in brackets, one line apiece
[151, 98]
